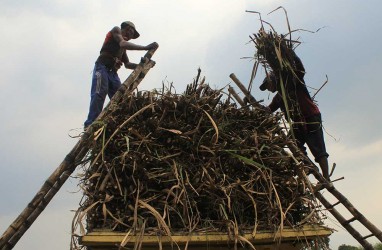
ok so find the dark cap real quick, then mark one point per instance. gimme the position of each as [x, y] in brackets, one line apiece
[269, 78]
[131, 24]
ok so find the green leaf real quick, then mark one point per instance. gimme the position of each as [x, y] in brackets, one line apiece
[248, 161]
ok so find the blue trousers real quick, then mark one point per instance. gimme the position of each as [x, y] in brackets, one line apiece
[104, 82]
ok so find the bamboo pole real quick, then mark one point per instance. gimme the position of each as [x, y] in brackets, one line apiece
[55, 181]
[236, 96]
[247, 94]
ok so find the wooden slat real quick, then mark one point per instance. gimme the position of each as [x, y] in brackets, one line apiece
[262, 237]
[367, 236]
[333, 205]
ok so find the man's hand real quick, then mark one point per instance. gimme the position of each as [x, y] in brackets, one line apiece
[153, 45]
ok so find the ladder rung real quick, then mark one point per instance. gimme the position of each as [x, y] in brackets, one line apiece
[368, 236]
[350, 220]
[333, 205]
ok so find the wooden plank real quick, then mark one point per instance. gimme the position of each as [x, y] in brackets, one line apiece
[283, 246]
[103, 238]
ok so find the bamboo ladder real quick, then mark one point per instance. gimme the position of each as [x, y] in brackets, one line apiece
[51, 186]
[323, 184]
[357, 216]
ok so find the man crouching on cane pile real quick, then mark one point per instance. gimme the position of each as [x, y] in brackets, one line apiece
[105, 79]
[302, 111]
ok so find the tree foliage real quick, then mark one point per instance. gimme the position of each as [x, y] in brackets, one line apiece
[348, 247]
[377, 246]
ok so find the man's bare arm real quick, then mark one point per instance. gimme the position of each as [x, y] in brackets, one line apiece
[130, 65]
[132, 46]
[117, 34]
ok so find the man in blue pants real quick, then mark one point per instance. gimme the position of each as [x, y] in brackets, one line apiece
[105, 80]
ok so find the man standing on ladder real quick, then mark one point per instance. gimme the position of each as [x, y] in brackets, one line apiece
[302, 111]
[105, 80]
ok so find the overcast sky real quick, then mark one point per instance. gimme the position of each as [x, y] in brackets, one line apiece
[48, 49]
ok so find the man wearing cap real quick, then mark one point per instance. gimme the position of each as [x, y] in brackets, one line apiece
[105, 80]
[303, 112]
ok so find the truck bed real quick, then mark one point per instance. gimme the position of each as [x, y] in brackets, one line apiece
[287, 239]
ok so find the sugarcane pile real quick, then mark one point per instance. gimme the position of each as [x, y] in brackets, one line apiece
[195, 161]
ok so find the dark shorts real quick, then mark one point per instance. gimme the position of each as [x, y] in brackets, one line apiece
[311, 133]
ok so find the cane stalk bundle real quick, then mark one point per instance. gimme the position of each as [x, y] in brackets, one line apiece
[276, 53]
